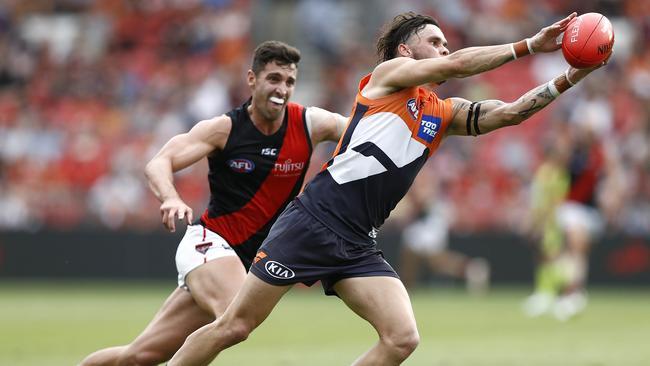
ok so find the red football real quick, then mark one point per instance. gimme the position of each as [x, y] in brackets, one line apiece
[588, 40]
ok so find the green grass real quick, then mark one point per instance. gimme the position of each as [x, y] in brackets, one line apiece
[57, 324]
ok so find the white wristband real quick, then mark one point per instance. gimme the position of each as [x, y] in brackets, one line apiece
[530, 48]
[566, 76]
[553, 89]
[512, 48]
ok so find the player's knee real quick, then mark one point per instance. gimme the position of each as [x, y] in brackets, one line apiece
[402, 344]
[408, 343]
[227, 332]
[238, 331]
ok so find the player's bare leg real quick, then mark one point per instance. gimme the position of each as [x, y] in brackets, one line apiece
[578, 248]
[213, 286]
[177, 318]
[575, 266]
[251, 306]
[448, 263]
[409, 266]
[475, 271]
[385, 304]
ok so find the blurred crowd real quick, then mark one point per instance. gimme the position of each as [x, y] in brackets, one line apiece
[90, 90]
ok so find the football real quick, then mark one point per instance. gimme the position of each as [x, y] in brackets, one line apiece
[588, 40]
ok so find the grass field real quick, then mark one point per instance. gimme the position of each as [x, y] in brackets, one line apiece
[57, 324]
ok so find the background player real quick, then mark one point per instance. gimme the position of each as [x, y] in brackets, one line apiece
[425, 239]
[328, 232]
[587, 185]
[258, 155]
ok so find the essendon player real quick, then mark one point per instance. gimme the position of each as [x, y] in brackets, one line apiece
[327, 233]
[258, 155]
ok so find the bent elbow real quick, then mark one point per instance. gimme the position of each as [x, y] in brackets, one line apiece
[149, 169]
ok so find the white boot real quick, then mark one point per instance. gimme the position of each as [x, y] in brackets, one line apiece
[568, 306]
[538, 304]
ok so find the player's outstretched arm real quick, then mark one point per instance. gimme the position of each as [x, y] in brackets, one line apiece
[482, 117]
[405, 72]
[325, 125]
[178, 153]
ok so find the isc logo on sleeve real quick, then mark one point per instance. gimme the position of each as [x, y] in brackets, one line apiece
[429, 127]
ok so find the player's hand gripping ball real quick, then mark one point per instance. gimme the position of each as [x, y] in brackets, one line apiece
[588, 40]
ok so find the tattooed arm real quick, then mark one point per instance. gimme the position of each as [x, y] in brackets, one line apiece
[407, 70]
[482, 117]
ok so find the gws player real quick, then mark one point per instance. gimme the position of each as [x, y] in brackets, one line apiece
[327, 233]
[258, 155]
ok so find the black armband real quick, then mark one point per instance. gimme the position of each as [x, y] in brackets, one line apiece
[476, 113]
[469, 119]
[472, 116]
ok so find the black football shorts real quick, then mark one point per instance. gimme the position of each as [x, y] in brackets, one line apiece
[301, 249]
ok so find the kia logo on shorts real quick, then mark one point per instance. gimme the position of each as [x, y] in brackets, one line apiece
[241, 165]
[279, 270]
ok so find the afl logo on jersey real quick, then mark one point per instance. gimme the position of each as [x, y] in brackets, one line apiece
[279, 270]
[241, 165]
[412, 108]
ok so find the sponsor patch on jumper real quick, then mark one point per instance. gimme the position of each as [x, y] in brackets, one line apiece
[429, 127]
[288, 168]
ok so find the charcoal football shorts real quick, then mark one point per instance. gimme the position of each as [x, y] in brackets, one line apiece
[301, 249]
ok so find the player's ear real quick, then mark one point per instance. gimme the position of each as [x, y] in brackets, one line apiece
[404, 50]
[250, 78]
